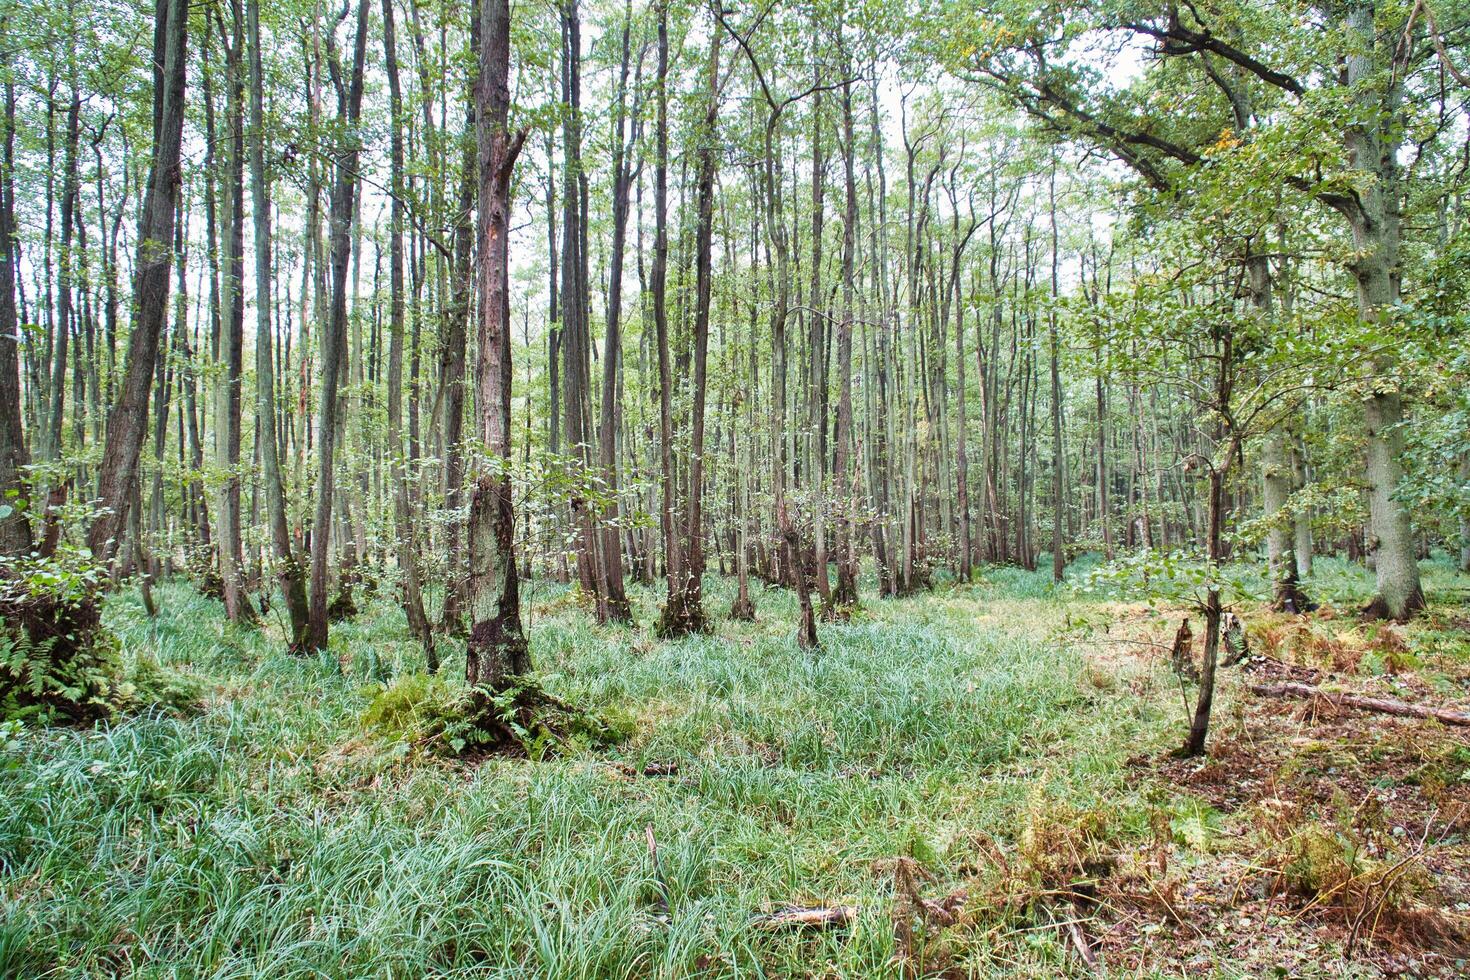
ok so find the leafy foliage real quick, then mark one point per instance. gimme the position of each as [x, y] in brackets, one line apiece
[58, 661]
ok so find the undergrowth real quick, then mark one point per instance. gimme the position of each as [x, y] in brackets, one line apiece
[947, 764]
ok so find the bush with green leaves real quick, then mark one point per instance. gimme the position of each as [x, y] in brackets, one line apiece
[58, 662]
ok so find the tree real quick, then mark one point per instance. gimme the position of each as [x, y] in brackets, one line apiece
[334, 329]
[610, 421]
[15, 528]
[232, 323]
[497, 648]
[289, 570]
[413, 600]
[1240, 55]
[128, 419]
[683, 612]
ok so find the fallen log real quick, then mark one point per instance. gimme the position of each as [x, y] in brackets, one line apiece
[826, 917]
[1387, 706]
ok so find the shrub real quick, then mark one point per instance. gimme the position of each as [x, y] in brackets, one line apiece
[57, 661]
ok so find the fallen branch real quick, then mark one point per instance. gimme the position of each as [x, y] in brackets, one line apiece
[826, 917]
[1081, 943]
[1387, 706]
[652, 769]
[1067, 917]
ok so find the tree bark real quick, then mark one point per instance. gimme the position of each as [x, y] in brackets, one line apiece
[127, 421]
[288, 564]
[1058, 502]
[658, 279]
[452, 365]
[684, 611]
[845, 595]
[1372, 143]
[232, 325]
[614, 595]
[575, 330]
[497, 649]
[15, 528]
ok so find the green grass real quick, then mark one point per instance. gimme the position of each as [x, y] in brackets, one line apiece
[271, 836]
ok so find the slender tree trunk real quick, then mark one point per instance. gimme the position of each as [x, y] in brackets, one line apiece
[1200, 723]
[684, 611]
[1058, 528]
[334, 329]
[614, 596]
[232, 324]
[288, 564]
[1227, 443]
[845, 595]
[816, 384]
[413, 600]
[63, 323]
[658, 278]
[1301, 545]
[15, 528]
[452, 366]
[575, 330]
[128, 419]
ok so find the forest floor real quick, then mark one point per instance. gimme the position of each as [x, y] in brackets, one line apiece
[979, 776]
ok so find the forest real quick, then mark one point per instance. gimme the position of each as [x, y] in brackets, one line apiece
[665, 488]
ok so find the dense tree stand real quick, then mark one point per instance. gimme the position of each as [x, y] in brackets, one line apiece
[795, 294]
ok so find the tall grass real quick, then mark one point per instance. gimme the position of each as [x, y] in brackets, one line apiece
[270, 836]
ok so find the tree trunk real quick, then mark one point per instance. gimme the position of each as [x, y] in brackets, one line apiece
[334, 329]
[15, 528]
[614, 595]
[128, 419]
[288, 571]
[658, 279]
[1372, 143]
[404, 530]
[452, 367]
[845, 596]
[1058, 528]
[684, 611]
[232, 325]
[497, 649]
[575, 330]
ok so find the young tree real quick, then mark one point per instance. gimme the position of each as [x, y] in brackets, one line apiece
[624, 145]
[684, 611]
[334, 328]
[232, 324]
[288, 564]
[403, 521]
[15, 528]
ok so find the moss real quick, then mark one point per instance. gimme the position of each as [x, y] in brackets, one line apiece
[148, 684]
[448, 719]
